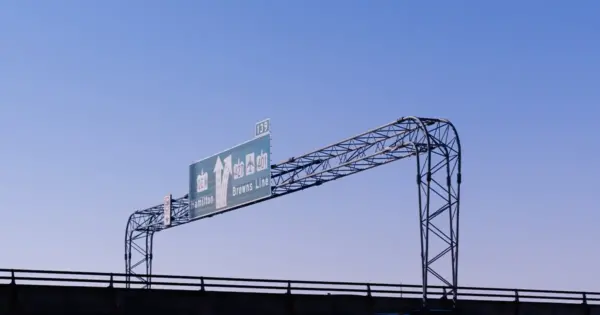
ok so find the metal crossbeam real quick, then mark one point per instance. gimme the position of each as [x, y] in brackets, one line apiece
[434, 144]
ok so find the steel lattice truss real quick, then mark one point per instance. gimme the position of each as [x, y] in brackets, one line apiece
[434, 144]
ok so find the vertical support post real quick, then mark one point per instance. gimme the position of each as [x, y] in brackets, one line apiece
[128, 244]
[149, 248]
[438, 165]
[138, 251]
[424, 234]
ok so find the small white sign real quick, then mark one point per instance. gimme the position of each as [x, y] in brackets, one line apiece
[168, 208]
[262, 127]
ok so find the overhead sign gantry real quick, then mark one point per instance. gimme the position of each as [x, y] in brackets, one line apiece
[433, 143]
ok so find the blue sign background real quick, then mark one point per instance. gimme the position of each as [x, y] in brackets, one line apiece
[231, 178]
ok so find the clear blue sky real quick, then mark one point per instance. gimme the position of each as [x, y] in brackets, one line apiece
[103, 105]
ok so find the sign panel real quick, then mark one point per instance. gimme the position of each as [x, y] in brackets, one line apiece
[168, 209]
[262, 127]
[231, 178]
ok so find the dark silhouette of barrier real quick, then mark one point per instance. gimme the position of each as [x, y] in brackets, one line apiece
[77, 278]
[52, 287]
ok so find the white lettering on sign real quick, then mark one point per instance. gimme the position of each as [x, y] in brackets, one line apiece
[222, 172]
[262, 182]
[242, 189]
[250, 186]
[203, 201]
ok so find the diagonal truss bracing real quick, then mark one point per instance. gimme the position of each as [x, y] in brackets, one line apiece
[433, 143]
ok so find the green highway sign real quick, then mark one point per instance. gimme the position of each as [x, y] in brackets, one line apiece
[231, 178]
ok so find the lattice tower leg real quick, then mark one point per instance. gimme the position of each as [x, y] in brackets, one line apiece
[438, 181]
[138, 254]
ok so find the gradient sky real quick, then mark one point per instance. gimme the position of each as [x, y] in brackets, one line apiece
[103, 105]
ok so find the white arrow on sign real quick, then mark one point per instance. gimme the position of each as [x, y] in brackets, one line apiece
[222, 172]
